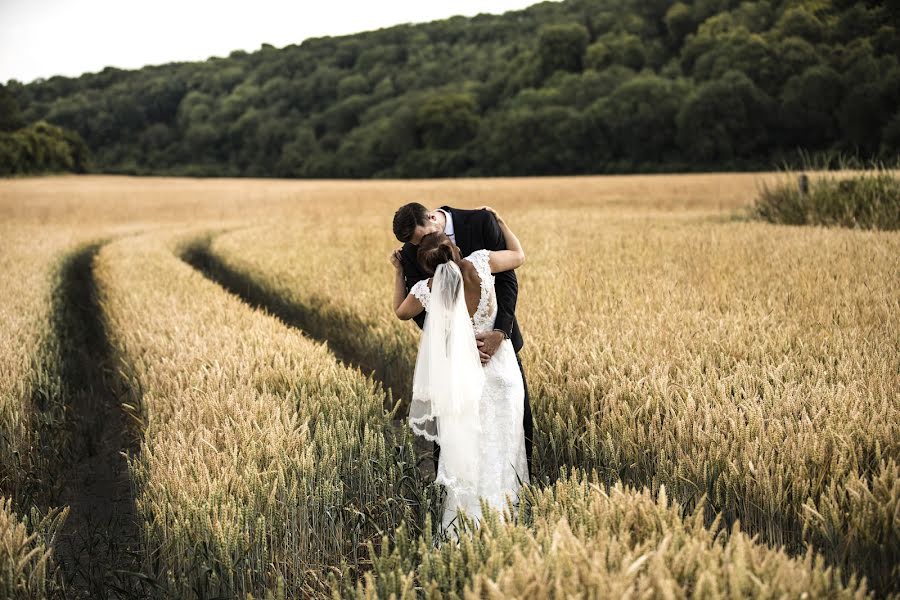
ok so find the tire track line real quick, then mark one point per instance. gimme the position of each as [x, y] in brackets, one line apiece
[99, 545]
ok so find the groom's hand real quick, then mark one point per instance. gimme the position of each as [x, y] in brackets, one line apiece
[488, 342]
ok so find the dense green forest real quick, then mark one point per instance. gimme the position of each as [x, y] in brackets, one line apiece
[580, 86]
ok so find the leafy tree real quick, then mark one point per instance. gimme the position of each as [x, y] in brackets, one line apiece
[858, 63]
[861, 116]
[537, 142]
[580, 90]
[797, 22]
[742, 51]
[561, 48]
[394, 137]
[347, 53]
[352, 85]
[161, 97]
[388, 54]
[755, 17]
[78, 150]
[296, 153]
[10, 115]
[640, 117]
[201, 138]
[792, 55]
[42, 147]
[447, 121]
[809, 106]
[321, 88]
[856, 22]
[652, 12]
[724, 119]
[384, 89]
[196, 107]
[617, 49]
[343, 116]
[273, 93]
[679, 23]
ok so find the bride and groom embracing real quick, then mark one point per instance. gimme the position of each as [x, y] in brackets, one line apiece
[455, 275]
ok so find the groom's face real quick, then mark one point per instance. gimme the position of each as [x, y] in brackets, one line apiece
[431, 225]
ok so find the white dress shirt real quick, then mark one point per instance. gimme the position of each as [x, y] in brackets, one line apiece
[448, 228]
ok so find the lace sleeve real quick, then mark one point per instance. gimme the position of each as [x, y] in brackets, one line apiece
[482, 261]
[421, 292]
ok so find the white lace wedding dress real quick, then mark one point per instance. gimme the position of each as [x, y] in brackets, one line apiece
[502, 464]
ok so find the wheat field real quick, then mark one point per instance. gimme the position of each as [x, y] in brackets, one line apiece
[715, 398]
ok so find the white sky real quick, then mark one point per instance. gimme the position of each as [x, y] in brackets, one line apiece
[42, 38]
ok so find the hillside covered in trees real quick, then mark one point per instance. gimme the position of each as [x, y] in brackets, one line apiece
[581, 86]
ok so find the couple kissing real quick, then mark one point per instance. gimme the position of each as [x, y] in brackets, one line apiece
[455, 276]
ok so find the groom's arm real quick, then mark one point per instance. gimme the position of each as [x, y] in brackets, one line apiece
[505, 284]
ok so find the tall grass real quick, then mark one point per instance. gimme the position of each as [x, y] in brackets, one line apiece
[580, 539]
[868, 200]
[751, 371]
[26, 556]
[332, 297]
[35, 420]
[755, 366]
[32, 403]
[264, 463]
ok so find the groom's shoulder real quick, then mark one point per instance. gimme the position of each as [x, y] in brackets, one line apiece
[458, 211]
[467, 215]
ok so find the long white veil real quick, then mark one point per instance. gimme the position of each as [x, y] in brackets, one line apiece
[448, 382]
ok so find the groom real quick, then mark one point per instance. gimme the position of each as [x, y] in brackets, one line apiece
[470, 230]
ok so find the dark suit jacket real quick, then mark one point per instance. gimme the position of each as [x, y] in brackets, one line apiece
[474, 230]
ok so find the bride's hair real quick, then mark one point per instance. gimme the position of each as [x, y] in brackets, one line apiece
[434, 249]
[435, 256]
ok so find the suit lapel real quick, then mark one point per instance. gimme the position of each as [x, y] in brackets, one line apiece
[461, 231]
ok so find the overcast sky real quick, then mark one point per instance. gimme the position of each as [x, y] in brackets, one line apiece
[42, 38]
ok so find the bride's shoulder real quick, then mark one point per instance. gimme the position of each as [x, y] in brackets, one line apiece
[478, 255]
[479, 259]
[467, 267]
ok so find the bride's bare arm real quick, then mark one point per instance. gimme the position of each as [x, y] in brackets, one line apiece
[406, 306]
[511, 258]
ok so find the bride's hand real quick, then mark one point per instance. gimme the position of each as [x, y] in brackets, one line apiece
[395, 259]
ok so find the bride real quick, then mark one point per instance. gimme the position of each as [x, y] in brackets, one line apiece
[473, 411]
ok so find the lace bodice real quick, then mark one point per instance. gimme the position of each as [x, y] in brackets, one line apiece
[486, 313]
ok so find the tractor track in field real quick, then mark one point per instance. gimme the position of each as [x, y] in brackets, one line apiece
[304, 319]
[98, 549]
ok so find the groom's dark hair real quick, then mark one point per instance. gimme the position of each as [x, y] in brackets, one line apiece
[407, 218]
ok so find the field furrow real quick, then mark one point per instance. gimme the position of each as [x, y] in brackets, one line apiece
[98, 545]
[314, 318]
[264, 463]
[60, 440]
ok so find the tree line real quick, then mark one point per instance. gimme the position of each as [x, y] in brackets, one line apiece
[39, 147]
[580, 86]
